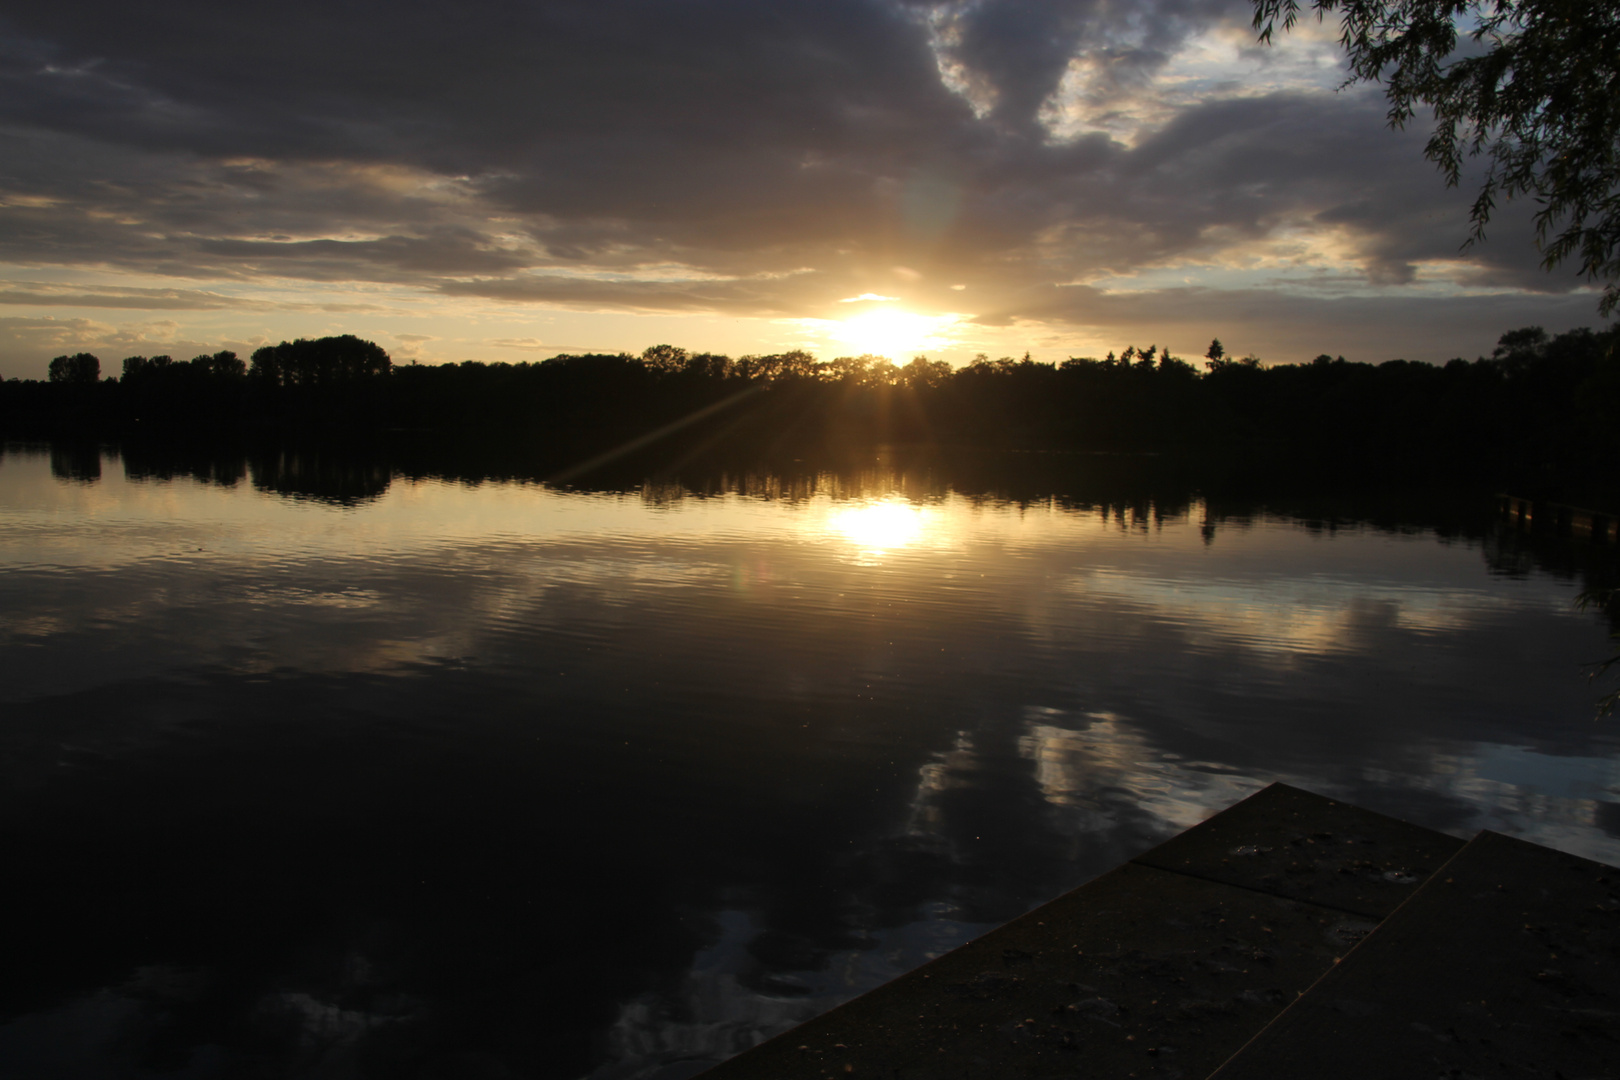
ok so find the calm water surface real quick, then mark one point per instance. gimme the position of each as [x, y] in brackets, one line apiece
[450, 779]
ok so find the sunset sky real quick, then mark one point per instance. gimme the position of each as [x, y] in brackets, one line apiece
[503, 180]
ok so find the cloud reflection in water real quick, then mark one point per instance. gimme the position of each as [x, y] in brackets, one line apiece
[669, 769]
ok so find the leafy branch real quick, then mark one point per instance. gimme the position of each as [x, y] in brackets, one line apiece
[1541, 102]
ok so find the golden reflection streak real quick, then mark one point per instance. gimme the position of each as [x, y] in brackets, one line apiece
[880, 526]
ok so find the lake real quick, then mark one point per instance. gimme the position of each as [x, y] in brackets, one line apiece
[319, 767]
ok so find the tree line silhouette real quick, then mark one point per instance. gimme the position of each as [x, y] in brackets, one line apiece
[1541, 413]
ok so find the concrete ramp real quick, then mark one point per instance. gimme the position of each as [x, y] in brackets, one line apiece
[1165, 966]
[1506, 963]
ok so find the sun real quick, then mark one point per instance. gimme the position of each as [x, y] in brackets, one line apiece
[889, 332]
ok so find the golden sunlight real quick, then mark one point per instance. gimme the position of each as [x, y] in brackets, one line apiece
[879, 526]
[888, 332]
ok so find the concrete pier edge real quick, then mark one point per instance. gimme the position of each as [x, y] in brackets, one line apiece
[1288, 935]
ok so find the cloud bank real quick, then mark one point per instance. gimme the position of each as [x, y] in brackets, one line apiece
[1051, 168]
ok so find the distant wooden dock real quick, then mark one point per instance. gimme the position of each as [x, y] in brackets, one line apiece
[1287, 936]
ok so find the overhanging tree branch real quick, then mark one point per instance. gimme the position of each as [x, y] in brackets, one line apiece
[1541, 103]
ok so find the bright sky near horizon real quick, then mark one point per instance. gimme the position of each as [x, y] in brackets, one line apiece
[510, 179]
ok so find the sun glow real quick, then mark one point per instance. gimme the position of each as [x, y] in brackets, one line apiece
[886, 331]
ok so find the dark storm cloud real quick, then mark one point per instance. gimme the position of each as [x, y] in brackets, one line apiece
[554, 151]
[481, 87]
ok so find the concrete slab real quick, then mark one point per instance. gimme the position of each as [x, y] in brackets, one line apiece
[1141, 972]
[1506, 963]
[1289, 842]
[1163, 967]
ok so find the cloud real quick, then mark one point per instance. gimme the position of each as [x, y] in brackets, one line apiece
[24, 340]
[634, 156]
[1284, 327]
[45, 295]
[1016, 54]
[536, 345]
[46, 333]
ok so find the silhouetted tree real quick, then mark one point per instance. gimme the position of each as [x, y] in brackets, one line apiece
[221, 365]
[141, 366]
[327, 361]
[207, 392]
[778, 367]
[78, 368]
[925, 374]
[664, 358]
[1542, 414]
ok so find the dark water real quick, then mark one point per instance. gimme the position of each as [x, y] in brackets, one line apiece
[315, 770]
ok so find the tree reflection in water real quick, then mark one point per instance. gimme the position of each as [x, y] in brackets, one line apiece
[361, 770]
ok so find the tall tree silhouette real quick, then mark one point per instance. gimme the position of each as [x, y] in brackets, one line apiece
[78, 368]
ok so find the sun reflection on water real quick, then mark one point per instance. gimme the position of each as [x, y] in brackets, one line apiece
[880, 526]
